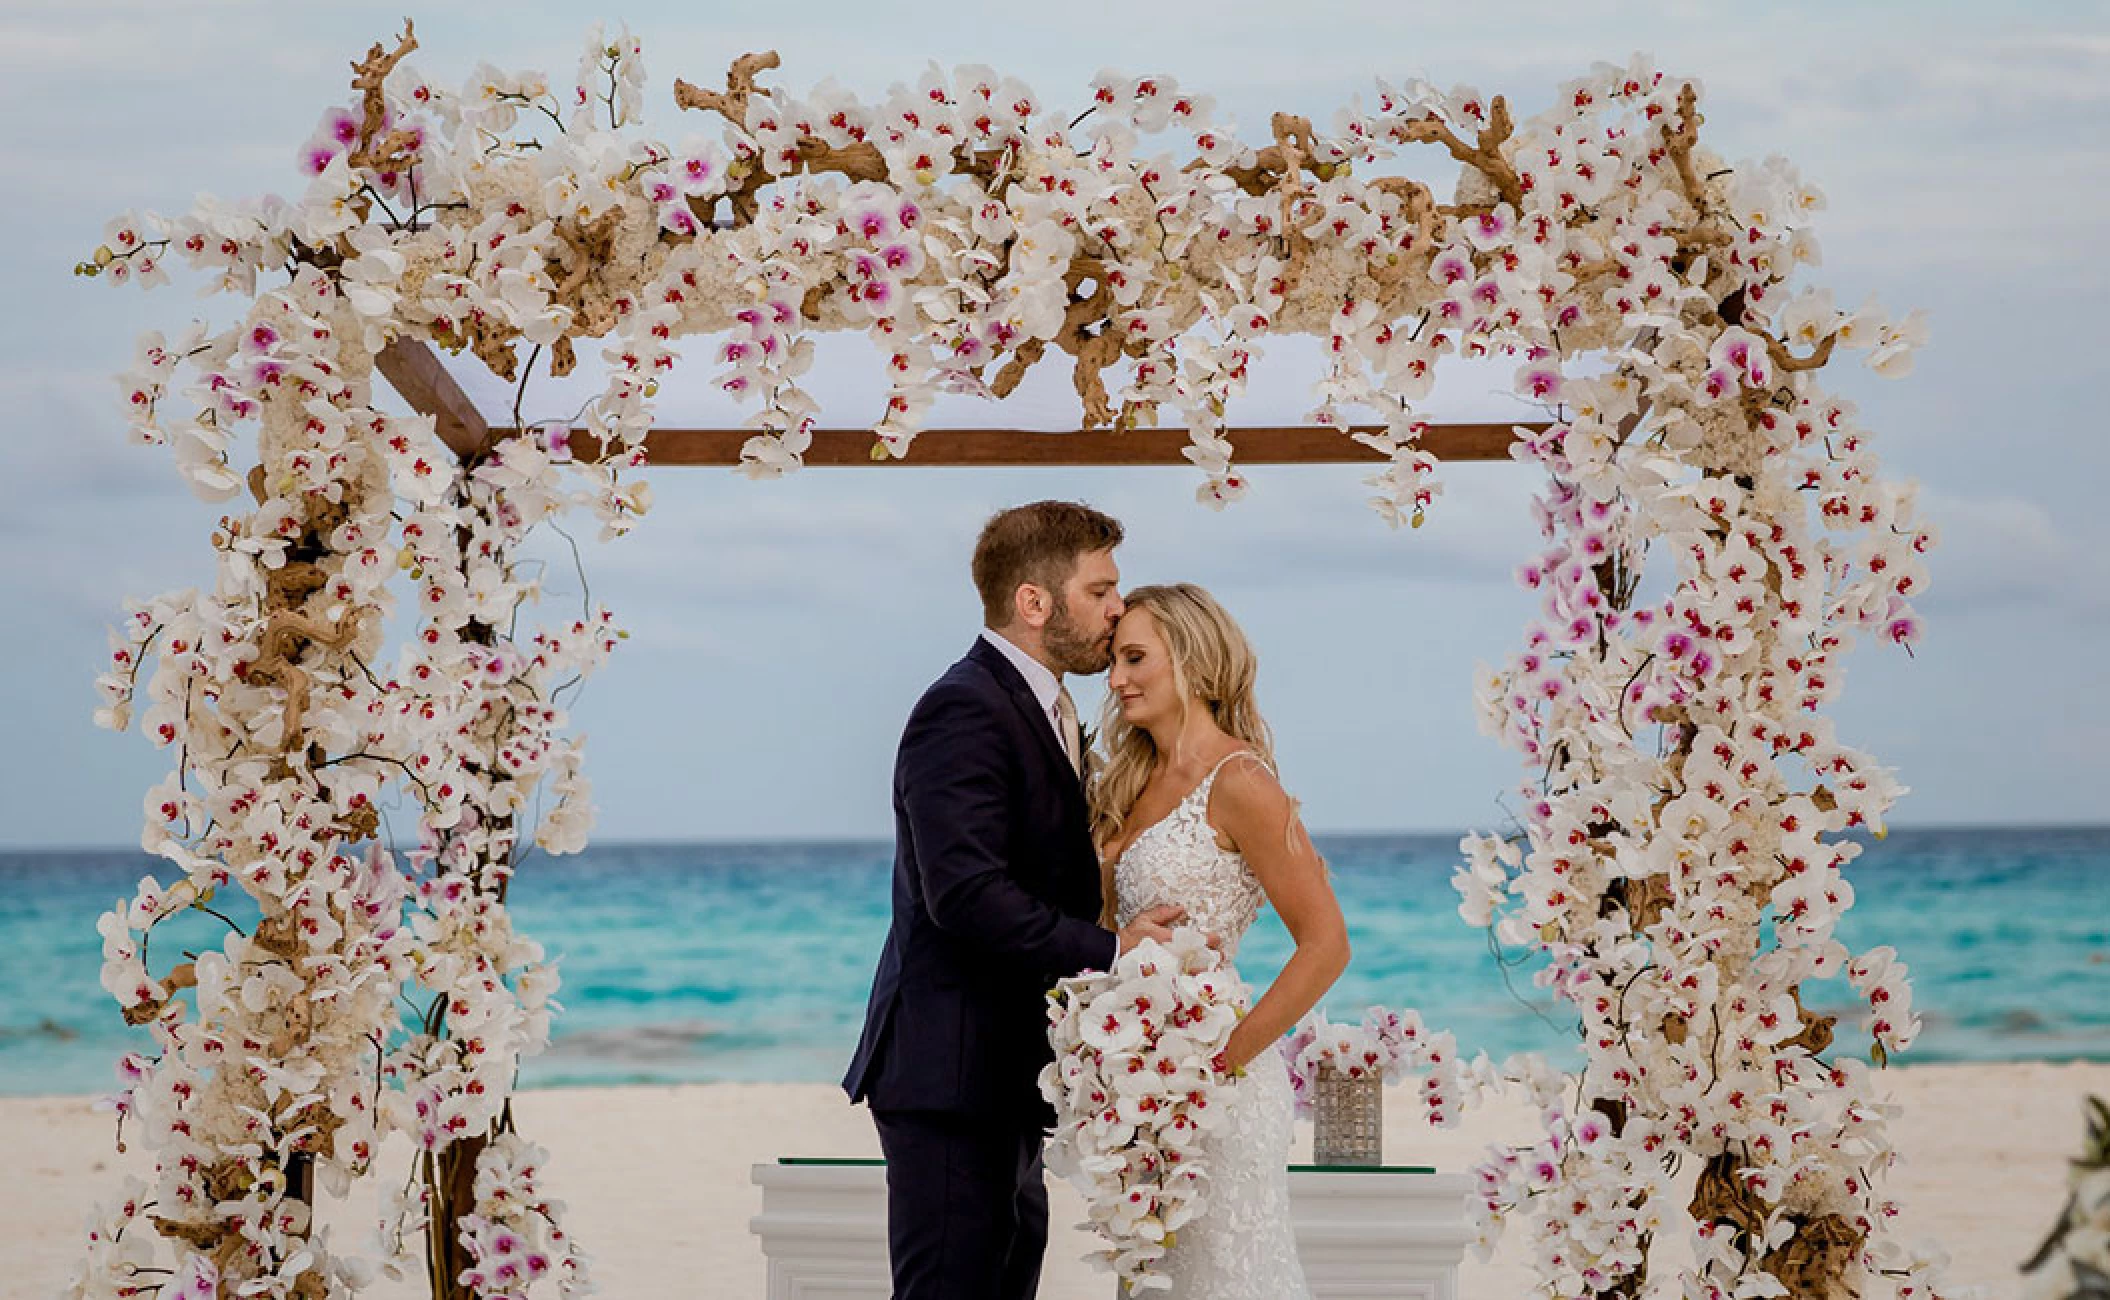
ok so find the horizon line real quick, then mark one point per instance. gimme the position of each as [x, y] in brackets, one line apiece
[758, 840]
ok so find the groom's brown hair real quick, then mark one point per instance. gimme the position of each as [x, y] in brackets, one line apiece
[1036, 543]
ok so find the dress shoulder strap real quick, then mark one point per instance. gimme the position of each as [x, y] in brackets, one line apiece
[1210, 779]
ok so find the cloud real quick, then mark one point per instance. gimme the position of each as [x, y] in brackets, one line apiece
[67, 446]
[1312, 527]
[752, 544]
[86, 518]
[1962, 149]
[2000, 553]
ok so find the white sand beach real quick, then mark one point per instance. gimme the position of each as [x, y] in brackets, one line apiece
[657, 1178]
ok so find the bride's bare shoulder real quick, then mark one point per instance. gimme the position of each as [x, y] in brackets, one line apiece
[1246, 799]
[1242, 774]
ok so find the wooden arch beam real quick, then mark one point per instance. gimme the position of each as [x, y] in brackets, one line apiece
[416, 374]
[994, 447]
[419, 378]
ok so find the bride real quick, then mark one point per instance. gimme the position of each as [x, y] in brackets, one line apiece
[1186, 810]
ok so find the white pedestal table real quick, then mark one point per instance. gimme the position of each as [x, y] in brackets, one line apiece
[1383, 1233]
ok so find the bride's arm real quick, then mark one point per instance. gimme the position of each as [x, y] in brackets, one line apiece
[1251, 809]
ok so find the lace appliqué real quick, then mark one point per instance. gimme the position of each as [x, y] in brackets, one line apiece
[1242, 1247]
[1177, 860]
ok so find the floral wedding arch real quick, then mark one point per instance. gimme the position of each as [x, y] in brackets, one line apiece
[1679, 863]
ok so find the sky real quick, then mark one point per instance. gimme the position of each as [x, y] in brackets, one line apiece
[781, 630]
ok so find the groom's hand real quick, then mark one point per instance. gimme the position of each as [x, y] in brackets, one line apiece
[1153, 923]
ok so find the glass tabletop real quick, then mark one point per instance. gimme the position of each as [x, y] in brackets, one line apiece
[847, 1161]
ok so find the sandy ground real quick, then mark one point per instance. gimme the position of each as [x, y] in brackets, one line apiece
[657, 1179]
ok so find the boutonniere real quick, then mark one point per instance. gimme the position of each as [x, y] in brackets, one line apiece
[1086, 745]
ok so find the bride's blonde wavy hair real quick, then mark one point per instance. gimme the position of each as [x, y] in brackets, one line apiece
[1211, 661]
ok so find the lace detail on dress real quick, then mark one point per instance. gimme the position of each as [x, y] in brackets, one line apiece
[1177, 860]
[1241, 1248]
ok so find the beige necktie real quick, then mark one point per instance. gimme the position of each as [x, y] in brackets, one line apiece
[1066, 718]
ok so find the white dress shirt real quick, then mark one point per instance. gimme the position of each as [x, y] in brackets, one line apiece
[1040, 679]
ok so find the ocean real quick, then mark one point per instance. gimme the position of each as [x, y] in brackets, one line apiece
[707, 962]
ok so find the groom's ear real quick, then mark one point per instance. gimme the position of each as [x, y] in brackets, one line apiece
[1031, 604]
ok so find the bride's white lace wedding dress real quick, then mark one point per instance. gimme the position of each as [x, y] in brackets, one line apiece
[1240, 1248]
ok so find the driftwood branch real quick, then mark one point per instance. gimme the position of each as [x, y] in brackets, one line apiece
[730, 103]
[378, 150]
[1014, 370]
[1681, 135]
[1484, 154]
[1292, 150]
[1789, 362]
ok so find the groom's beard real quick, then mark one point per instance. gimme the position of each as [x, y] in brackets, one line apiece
[1073, 649]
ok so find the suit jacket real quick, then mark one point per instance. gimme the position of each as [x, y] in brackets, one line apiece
[995, 897]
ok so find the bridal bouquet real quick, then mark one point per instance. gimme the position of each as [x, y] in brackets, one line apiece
[1135, 1085]
[1388, 1045]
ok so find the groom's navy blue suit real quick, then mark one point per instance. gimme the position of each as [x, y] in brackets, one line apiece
[996, 896]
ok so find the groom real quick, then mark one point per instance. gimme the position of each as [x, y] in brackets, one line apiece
[996, 896]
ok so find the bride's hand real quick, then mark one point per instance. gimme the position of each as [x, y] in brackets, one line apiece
[1152, 923]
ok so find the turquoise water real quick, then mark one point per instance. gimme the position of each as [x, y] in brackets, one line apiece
[692, 962]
